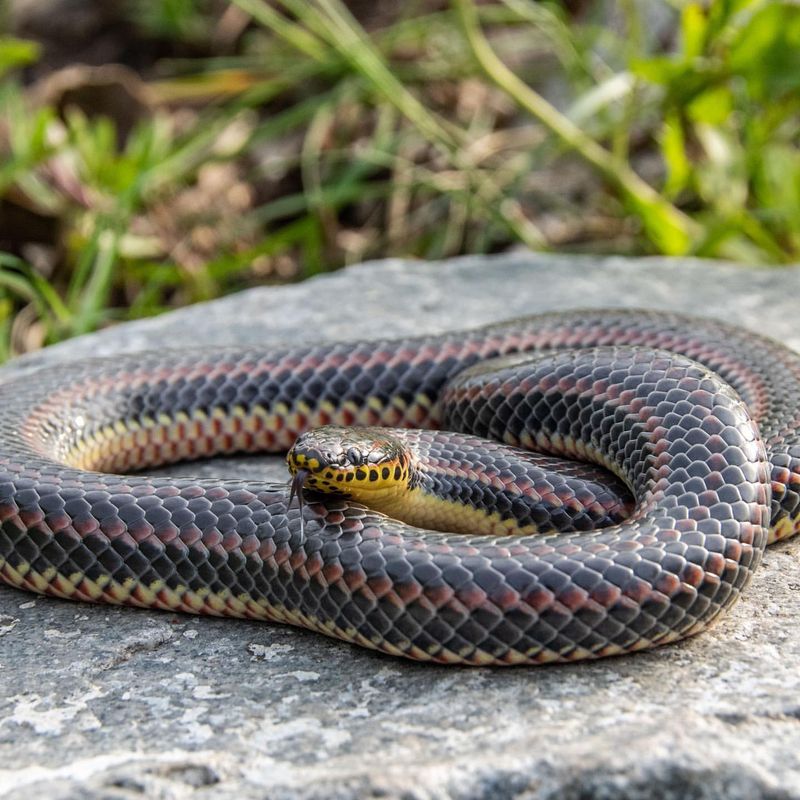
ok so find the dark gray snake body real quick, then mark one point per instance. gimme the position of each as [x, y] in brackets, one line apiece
[714, 478]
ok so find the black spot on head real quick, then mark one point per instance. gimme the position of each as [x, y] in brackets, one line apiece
[361, 474]
[397, 473]
[373, 475]
[385, 472]
[340, 477]
[349, 476]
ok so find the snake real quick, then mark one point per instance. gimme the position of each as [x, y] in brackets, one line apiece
[697, 418]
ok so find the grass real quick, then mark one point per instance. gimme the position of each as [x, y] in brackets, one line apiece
[296, 138]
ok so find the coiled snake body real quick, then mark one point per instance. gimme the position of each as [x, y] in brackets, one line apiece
[714, 478]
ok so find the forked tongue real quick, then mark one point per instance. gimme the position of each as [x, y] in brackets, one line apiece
[296, 490]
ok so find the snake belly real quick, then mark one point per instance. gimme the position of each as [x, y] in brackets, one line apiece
[715, 474]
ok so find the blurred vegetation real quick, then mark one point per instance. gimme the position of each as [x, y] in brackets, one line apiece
[233, 144]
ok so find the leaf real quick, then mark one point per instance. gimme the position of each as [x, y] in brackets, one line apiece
[767, 50]
[673, 150]
[713, 106]
[693, 28]
[661, 70]
[16, 53]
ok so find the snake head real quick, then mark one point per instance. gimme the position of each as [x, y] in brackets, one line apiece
[360, 463]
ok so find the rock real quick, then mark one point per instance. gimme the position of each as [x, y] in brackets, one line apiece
[103, 702]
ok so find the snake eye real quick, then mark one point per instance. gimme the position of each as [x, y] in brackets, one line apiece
[355, 457]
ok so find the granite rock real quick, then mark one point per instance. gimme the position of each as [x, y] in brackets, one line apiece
[113, 703]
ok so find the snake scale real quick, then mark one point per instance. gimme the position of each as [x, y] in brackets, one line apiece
[714, 470]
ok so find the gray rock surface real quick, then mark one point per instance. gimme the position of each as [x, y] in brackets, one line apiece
[102, 702]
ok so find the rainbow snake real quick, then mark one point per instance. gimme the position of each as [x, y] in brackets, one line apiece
[714, 472]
